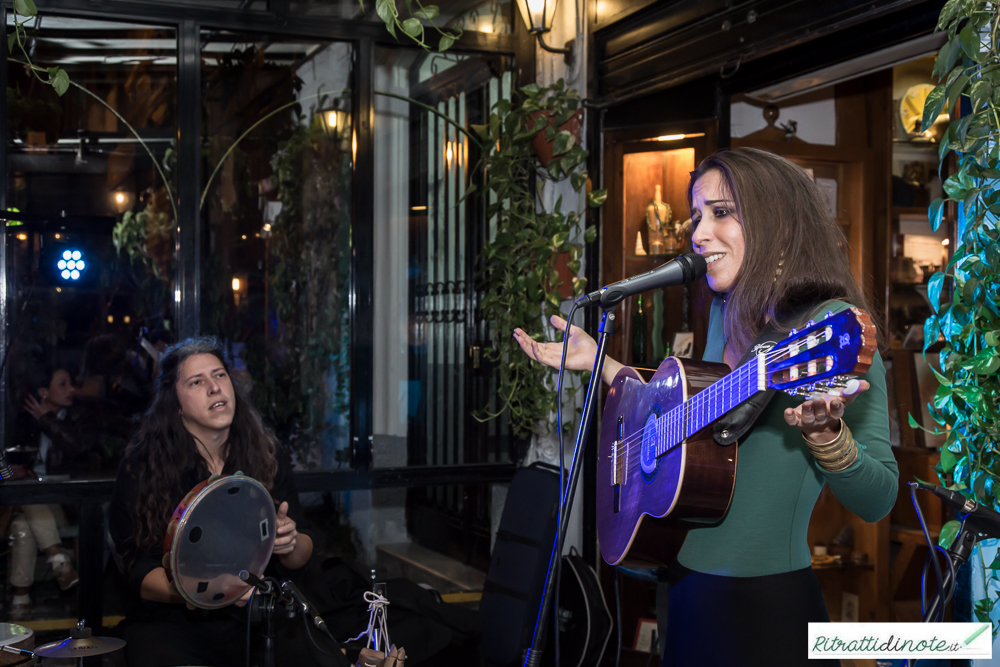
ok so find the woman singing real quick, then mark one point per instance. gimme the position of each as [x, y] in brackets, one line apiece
[742, 591]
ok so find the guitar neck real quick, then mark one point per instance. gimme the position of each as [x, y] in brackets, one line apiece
[708, 405]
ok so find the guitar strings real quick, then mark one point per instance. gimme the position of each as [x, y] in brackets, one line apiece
[688, 408]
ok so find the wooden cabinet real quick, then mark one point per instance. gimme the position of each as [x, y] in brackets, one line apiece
[636, 161]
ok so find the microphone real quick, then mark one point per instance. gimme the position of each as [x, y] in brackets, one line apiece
[986, 517]
[683, 270]
[293, 592]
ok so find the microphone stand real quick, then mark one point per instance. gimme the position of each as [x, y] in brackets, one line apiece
[533, 655]
[262, 610]
[958, 553]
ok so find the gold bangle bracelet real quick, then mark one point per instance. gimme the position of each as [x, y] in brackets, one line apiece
[836, 438]
[848, 461]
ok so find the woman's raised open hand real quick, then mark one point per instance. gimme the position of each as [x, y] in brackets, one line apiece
[580, 354]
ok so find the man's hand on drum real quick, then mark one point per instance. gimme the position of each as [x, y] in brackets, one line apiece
[580, 354]
[287, 537]
[819, 418]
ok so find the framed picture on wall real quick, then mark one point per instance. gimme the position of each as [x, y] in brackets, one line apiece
[683, 344]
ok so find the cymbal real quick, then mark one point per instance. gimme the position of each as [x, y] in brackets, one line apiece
[80, 648]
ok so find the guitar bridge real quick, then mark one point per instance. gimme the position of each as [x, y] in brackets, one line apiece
[619, 455]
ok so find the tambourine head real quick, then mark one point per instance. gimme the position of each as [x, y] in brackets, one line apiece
[229, 526]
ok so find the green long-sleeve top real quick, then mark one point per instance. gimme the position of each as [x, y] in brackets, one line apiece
[778, 481]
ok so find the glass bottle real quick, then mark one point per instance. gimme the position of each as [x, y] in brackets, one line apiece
[639, 355]
[657, 217]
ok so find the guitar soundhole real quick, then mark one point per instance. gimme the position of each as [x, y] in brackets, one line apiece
[647, 457]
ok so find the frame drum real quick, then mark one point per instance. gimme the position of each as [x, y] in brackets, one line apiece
[229, 526]
[15, 636]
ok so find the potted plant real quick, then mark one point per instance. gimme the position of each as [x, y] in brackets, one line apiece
[518, 269]
[966, 296]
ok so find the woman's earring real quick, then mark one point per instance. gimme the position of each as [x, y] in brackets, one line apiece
[781, 263]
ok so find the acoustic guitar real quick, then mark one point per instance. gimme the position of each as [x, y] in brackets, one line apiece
[658, 462]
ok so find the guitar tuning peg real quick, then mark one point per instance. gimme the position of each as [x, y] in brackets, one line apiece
[792, 332]
[811, 322]
[829, 314]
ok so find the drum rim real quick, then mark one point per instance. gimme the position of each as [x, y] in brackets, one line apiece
[182, 523]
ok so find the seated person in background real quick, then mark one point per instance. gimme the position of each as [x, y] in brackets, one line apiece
[46, 424]
[199, 424]
[64, 431]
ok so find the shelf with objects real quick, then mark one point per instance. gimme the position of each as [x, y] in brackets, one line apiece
[914, 252]
[646, 225]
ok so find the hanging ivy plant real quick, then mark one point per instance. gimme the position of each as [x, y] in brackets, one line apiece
[967, 318]
[411, 25]
[518, 265]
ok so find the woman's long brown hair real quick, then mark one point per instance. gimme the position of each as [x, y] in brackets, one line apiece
[786, 225]
[163, 451]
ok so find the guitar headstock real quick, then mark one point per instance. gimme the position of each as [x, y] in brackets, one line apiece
[824, 356]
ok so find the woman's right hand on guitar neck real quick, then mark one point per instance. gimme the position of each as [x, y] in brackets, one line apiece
[579, 357]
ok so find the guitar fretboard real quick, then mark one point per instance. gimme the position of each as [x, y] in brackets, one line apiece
[708, 405]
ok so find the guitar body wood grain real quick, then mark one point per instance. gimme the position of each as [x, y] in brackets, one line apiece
[692, 481]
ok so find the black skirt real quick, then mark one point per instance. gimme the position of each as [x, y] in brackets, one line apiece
[742, 621]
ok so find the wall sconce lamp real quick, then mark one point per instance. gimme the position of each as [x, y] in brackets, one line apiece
[334, 121]
[538, 15]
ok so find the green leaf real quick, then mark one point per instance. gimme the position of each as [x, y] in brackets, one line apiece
[386, 10]
[948, 533]
[935, 213]
[980, 93]
[930, 332]
[934, 290]
[955, 90]
[481, 130]
[446, 42]
[429, 12]
[948, 460]
[970, 41]
[590, 234]
[564, 141]
[985, 364]
[933, 105]
[946, 58]
[25, 8]
[956, 187]
[412, 27]
[597, 198]
[948, 12]
[60, 82]
[577, 179]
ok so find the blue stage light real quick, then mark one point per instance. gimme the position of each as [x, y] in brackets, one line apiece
[71, 264]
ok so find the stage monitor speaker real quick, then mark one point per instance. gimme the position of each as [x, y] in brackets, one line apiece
[518, 566]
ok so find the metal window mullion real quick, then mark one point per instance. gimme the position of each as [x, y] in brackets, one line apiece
[4, 277]
[362, 256]
[462, 357]
[188, 243]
